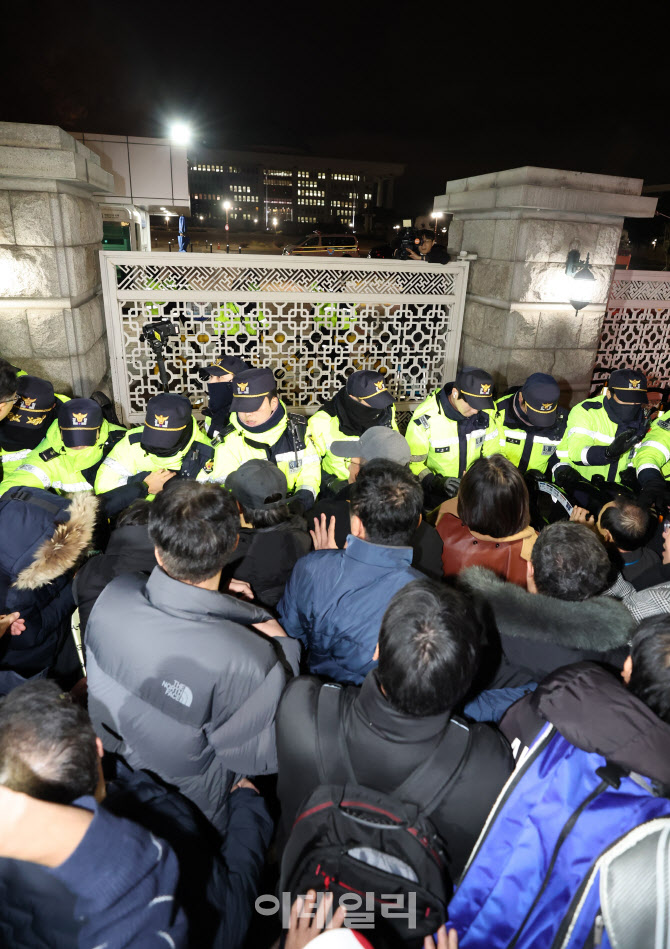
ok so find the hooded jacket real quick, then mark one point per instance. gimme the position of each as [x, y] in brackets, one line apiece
[130, 550]
[537, 634]
[265, 557]
[594, 711]
[43, 538]
[179, 684]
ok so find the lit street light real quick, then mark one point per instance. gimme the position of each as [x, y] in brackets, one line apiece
[227, 206]
[274, 223]
[435, 215]
[180, 133]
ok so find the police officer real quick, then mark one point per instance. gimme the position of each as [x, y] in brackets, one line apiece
[363, 403]
[450, 429]
[652, 461]
[219, 381]
[261, 427]
[28, 422]
[68, 459]
[531, 424]
[168, 444]
[602, 431]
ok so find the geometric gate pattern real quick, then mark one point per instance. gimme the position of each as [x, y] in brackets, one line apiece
[312, 321]
[636, 329]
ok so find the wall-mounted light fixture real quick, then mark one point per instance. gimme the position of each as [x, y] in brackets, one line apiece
[581, 281]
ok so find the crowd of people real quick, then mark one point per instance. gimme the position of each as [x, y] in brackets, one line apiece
[278, 677]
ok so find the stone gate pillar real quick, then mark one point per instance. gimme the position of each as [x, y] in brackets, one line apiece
[521, 224]
[51, 317]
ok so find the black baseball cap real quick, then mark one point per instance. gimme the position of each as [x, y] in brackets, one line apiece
[35, 404]
[540, 393]
[476, 387]
[167, 416]
[79, 421]
[629, 385]
[226, 365]
[369, 385]
[255, 481]
[250, 388]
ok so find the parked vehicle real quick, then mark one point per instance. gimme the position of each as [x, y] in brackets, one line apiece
[324, 245]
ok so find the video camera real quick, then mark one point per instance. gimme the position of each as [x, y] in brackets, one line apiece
[158, 335]
[409, 239]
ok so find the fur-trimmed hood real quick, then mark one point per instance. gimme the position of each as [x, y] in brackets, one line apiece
[598, 624]
[43, 535]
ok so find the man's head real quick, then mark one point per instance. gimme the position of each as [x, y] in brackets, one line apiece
[376, 443]
[624, 523]
[260, 489]
[568, 562]
[79, 421]
[48, 748]
[646, 671]
[538, 399]
[255, 398]
[386, 502]
[168, 425]
[194, 528]
[626, 394]
[429, 647]
[8, 393]
[224, 369]
[369, 387]
[427, 241]
[31, 415]
[472, 391]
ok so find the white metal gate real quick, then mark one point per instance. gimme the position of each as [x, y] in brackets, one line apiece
[312, 321]
[636, 329]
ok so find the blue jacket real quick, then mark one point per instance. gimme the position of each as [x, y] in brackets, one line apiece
[335, 601]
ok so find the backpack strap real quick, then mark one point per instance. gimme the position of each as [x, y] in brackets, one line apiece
[427, 786]
[333, 761]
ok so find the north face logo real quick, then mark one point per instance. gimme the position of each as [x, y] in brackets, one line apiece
[79, 418]
[179, 692]
[485, 388]
[161, 420]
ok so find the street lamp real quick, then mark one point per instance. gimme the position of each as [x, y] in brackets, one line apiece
[227, 206]
[180, 133]
[202, 218]
[274, 223]
[581, 282]
[435, 215]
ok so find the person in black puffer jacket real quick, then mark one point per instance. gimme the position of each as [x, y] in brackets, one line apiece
[271, 538]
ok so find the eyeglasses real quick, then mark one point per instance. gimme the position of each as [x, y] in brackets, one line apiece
[12, 399]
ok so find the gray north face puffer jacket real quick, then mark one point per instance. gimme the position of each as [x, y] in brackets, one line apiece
[179, 684]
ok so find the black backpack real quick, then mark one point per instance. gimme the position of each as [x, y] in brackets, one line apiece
[379, 851]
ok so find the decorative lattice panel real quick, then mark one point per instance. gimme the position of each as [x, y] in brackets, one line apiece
[636, 329]
[313, 323]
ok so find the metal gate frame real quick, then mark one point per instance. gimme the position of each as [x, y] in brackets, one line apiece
[293, 303]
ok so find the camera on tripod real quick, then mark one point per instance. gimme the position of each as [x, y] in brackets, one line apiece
[158, 335]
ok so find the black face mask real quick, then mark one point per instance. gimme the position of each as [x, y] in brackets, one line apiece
[356, 418]
[220, 396]
[181, 442]
[624, 412]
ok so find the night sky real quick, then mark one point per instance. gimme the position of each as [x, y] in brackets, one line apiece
[450, 90]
